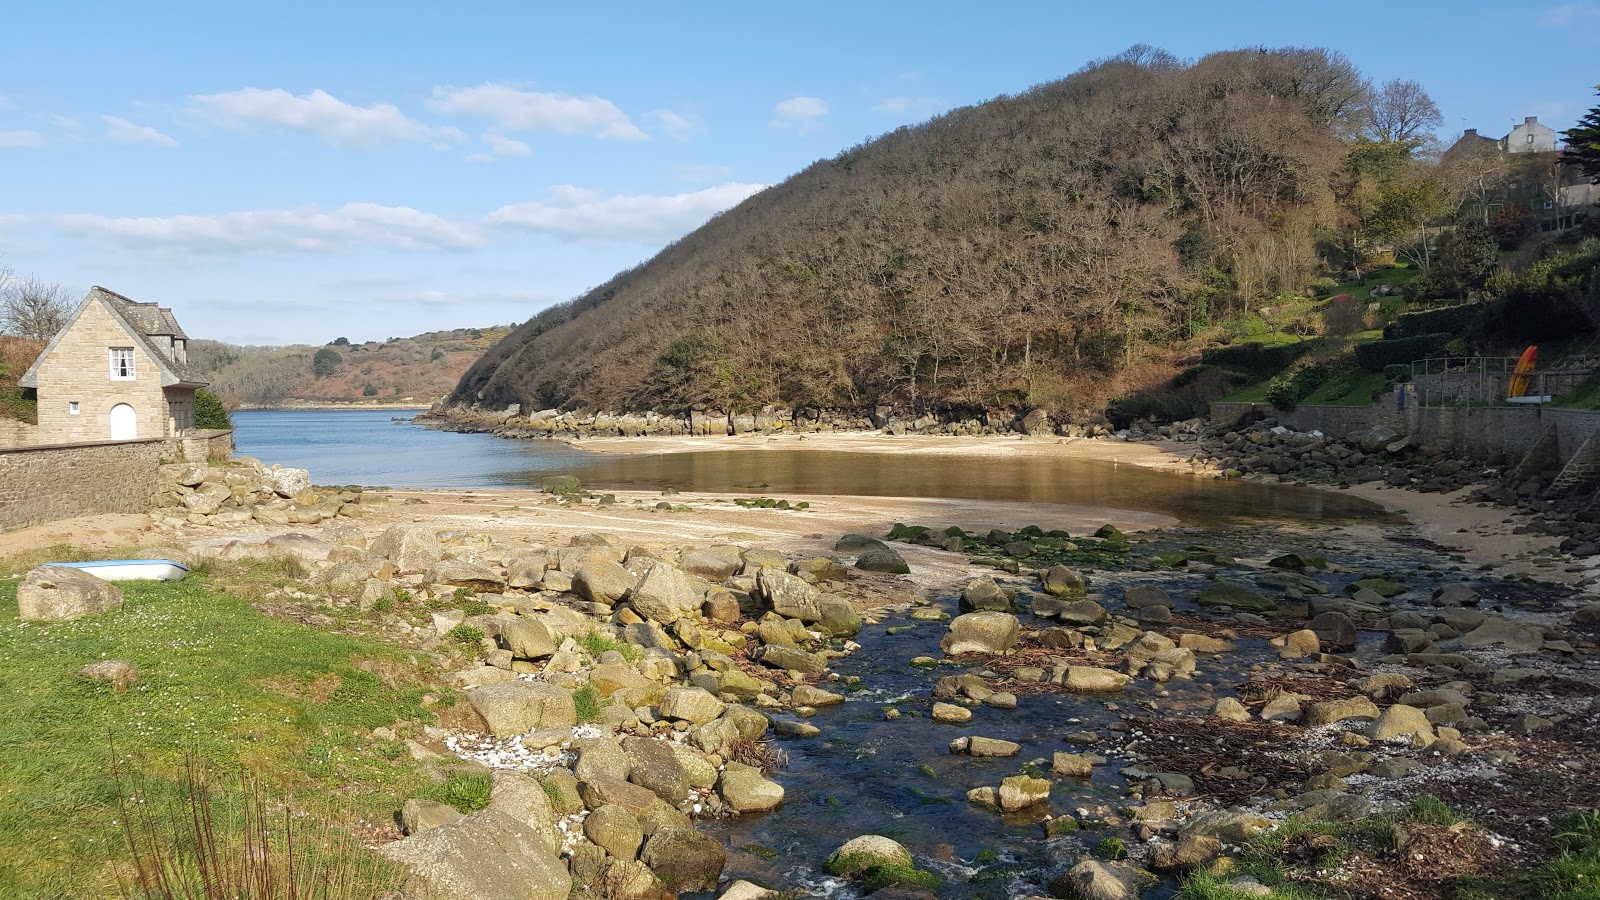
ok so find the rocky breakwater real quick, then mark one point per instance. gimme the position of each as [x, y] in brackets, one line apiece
[1358, 690]
[1268, 449]
[512, 422]
[244, 490]
[617, 691]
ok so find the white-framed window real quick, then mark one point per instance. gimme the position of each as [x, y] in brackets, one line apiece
[72, 407]
[121, 363]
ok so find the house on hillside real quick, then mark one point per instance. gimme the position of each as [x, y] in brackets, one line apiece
[118, 371]
[1523, 169]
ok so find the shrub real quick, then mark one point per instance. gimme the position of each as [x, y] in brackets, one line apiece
[1454, 319]
[1378, 354]
[1287, 390]
[1254, 359]
[209, 411]
[465, 634]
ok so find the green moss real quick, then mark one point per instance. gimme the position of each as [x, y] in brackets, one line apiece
[589, 703]
[1111, 848]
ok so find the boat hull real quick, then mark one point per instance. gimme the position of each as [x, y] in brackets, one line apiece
[130, 569]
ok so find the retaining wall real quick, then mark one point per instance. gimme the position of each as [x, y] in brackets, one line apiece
[60, 481]
[1472, 431]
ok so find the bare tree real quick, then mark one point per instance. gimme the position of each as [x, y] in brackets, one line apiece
[1402, 111]
[31, 307]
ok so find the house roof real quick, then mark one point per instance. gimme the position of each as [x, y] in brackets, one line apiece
[144, 322]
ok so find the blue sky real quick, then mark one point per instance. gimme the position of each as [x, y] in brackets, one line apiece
[295, 172]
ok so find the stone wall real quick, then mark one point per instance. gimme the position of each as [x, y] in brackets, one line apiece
[215, 444]
[1475, 432]
[46, 484]
[18, 434]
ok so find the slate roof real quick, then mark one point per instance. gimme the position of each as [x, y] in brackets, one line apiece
[148, 323]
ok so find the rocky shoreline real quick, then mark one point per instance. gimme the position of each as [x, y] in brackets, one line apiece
[1354, 688]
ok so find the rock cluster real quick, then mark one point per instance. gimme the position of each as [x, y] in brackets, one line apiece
[244, 490]
[1377, 454]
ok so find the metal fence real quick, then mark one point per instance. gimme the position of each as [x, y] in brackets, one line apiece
[1484, 381]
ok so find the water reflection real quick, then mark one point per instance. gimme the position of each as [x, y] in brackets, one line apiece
[369, 447]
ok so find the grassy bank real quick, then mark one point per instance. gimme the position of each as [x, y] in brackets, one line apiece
[219, 683]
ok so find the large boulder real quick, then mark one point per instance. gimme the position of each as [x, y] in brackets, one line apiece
[287, 482]
[745, 790]
[838, 617]
[1234, 595]
[1092, 879]
[615, 830]
[602, 581]
[1022, 791]
[861, 855]
[983, 595]
[665, 595]
[526, 638]
[691, 704]
[488, 855]
[517, 707]
[60, 594]
[653, 765]
[411, 548]
[981, 632]
[1092, 679]
[1060, 581]
[789, 596]
[884, 560]
[685, 859]
[207, 499]
[461, 573]
[792, 658]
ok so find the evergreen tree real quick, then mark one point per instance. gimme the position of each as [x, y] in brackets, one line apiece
[1583, 144]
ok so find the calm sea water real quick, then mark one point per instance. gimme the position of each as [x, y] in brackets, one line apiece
[384, 448]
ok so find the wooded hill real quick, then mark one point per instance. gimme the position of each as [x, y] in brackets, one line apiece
[1044, 250]
[419, 369]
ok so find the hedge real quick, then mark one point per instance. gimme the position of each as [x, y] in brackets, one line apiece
[1378, 354]
[1255, 359]
[1454, 319]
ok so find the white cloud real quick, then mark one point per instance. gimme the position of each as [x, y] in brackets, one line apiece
[504, 146]
[304, 229]
[674, 125]
[321, 114]
[578, 214]
[519, 110]
[901, 106]
[64, 122]
[800, 113]
[21, 139]
[1569, 15]
[125, 132]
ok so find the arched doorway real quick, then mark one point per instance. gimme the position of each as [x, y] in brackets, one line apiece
[124, 423]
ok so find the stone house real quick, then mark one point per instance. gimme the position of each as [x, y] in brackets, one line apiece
[118, 371]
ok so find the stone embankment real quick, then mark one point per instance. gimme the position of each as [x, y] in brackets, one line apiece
[244, 490]
[550, 423]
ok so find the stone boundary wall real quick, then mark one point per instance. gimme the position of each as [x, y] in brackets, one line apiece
[59, 481]
[1474, 431]
[47, 484]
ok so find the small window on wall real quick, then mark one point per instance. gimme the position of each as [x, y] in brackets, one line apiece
[121, 363]
[72, 408]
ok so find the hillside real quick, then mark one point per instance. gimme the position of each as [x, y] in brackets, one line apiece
[1044, 250]
[418, 369]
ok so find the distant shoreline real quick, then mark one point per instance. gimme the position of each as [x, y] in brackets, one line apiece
[312, 407]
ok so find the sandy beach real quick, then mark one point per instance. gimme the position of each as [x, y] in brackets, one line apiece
[1484, 534]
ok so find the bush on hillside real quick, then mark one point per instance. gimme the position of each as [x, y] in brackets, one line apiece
[1454, 319]
[1378, 355]
[1254, 359]
[1287, 390]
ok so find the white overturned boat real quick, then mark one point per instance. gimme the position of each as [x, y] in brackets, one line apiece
[130, 569]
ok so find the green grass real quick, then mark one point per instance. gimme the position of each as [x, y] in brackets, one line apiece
[1585, 396]
[1250, 393]
[1574, 874]
[1353, 388]
[217, 680]
[589, 703]
[595, 643]
[466, 791]
[1397, 276]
